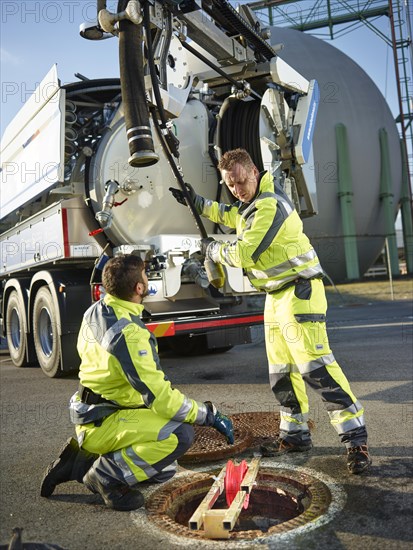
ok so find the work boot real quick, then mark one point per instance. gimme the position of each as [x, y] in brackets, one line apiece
[281, 446]
[117, 496]
[71, 465]
[358, 459]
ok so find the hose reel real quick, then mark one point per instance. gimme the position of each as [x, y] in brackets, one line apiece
[238, 126]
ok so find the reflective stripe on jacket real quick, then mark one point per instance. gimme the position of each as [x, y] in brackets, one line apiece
[119, 361]
[271, 245]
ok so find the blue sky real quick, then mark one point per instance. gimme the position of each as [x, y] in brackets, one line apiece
[37, 34]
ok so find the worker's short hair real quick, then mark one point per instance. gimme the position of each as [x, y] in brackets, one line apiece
[121, 274]
[235, 156]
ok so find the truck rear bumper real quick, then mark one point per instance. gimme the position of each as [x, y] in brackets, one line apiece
[203, 325]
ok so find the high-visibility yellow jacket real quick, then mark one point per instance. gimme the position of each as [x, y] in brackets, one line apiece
[119, 361]
[271, 245]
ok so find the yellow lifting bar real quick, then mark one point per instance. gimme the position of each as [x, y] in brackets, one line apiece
[217, 524]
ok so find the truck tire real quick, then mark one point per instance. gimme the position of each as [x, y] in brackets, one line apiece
[16, 320]
[45, 333]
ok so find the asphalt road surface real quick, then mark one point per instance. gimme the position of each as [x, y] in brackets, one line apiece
[373, 343]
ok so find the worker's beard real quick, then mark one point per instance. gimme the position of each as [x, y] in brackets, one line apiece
[145, 291]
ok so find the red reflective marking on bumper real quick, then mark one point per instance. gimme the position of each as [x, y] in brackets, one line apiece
[175, 328]
[220, 323]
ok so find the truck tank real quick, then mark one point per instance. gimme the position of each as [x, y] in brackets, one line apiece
[350, 97]
[150, 208]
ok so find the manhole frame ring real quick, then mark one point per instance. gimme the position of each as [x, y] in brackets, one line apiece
[310, 519]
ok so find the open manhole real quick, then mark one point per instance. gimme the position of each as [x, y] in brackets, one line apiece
[251, 429]
[281, 500]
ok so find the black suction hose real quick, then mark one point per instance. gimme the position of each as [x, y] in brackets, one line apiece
[179, 179]
[151, 63]
[131, 51]
[215, 272]
[162, 127]
[170, 138]
[141, 148]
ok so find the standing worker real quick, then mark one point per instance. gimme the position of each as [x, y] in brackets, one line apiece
[131, 425]
[278, 258]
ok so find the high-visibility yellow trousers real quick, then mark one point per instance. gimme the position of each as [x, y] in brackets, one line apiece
[136, 445]
[298, 352]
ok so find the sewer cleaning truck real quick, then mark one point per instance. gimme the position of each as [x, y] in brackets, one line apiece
[87, 166]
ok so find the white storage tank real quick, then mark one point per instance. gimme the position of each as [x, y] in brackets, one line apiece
[350, 97]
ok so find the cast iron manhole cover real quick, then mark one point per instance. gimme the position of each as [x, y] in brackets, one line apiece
[251, 429]
[261, 425]
[209, 445]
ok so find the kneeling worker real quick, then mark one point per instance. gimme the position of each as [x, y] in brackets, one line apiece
[131, 425]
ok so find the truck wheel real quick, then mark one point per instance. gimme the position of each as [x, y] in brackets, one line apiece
[16, 330]
[45, 334]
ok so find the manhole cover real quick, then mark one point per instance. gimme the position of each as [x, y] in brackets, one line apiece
[251, 429]
[282, 500]
[261, 425]
[209, 445]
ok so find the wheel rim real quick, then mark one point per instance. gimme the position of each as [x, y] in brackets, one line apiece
[46, 332]
[15, 329]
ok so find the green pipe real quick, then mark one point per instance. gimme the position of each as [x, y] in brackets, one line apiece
[345, 194]
[386, 197]
[270, 19]
[406, 212]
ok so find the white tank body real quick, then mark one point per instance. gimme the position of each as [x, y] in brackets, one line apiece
[350, 97]
[150, 208]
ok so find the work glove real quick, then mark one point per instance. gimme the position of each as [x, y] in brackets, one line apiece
[205, 244]
[220, 422]
[179, 195]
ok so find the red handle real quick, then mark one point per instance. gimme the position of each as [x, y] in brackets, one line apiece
[95, 232]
